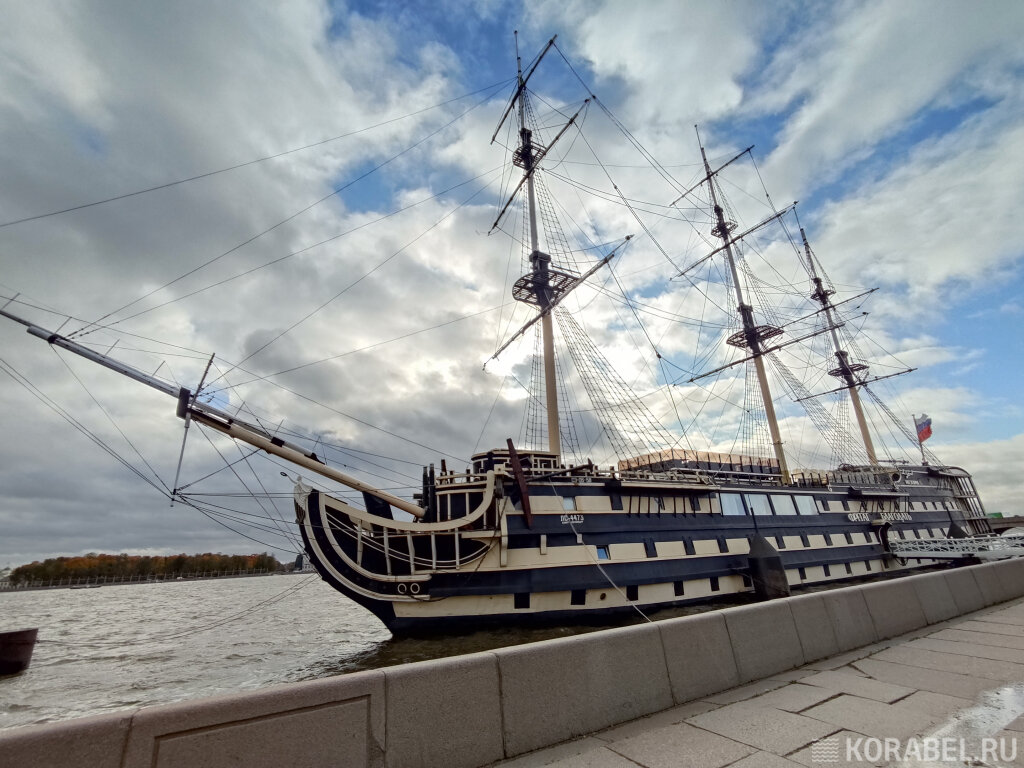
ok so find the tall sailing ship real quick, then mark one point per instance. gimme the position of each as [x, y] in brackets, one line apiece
[537, 531]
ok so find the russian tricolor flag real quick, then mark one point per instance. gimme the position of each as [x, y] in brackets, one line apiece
[924, 427]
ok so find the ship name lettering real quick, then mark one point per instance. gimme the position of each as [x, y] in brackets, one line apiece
[859, 517]
[896, 516]
[569, 519]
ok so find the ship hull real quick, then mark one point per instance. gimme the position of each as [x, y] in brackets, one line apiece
[594, 548]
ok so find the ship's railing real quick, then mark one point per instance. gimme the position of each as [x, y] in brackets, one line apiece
[990, 547]
[395, 541]
[404, 556]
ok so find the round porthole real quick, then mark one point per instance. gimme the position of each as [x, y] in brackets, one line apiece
[401, 589]
[604, 595]
[414, 588]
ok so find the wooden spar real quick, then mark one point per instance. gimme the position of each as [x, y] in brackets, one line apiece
[517, 473]
[297, 456]
[218, 419]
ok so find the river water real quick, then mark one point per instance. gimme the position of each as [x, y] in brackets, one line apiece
[120, 647]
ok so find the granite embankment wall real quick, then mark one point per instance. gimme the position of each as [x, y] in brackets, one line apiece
[471, 710]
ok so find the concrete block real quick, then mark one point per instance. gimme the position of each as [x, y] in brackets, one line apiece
[894, 607]
[96, 742]
[764, 639]
[1011, 576]
[991, 586]
[964, 589]
[851, 620]
[336, 721]
[814, 627]
[935, 596]
[699, 656]
[444, 712]
[1014, 577]
[557, 689]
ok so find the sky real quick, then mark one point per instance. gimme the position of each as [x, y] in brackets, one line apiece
[348, 286]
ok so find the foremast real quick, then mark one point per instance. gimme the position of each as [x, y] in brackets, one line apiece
[752, 335]
[526, 158]
[543, 286]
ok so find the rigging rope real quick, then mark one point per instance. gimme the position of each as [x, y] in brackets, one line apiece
[235, 167]
[299, 322]
[298, 213]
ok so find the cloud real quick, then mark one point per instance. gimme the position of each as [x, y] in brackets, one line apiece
[996, 466]
[843, 83]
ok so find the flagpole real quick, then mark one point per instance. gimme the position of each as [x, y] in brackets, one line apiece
[920, 443]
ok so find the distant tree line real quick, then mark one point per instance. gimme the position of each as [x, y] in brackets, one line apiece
[92, 566]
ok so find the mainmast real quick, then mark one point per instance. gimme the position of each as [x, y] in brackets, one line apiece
[752, 335]
[846, 371]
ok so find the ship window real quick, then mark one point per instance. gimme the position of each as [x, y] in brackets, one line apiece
[803, 574]
[804, 540]
[849, 568]
[522, 599]
[602, 553]
[679, 588]
[824, 505]
[910, 505]
[805, 505]
[746, 580]
[917, 534]
[846, 505]
[758, 503]
[632, 592]
[867, 537]
[867, 564]
[827, 571]
[649, 549]
[714, 583]
[780, 542]
[695, 504]
[578, 597]
[569, 503]
[688, 547]
[849, 537]
[732, 504]
[661, 503]
[828, 539]
[722, 545]
[783, 505]
[616, 501]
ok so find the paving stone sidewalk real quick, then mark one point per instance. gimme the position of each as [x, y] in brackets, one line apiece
[962, 678]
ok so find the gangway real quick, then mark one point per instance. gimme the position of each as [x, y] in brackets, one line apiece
[986, 547]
